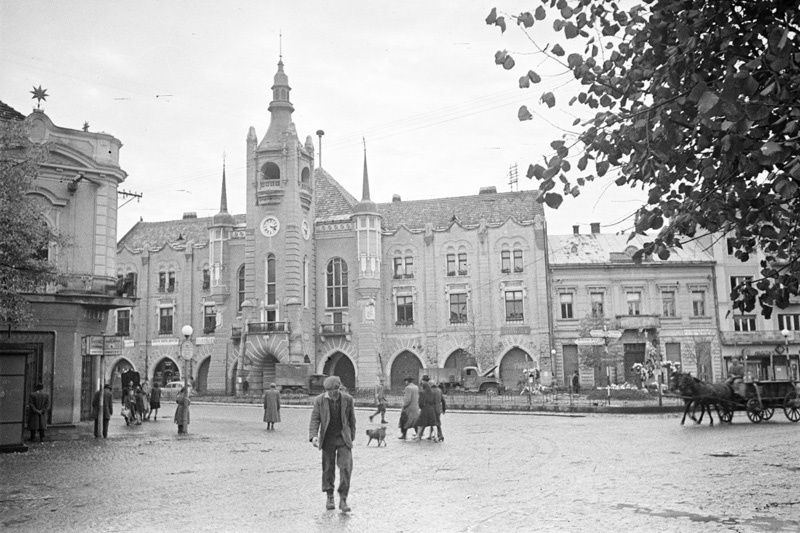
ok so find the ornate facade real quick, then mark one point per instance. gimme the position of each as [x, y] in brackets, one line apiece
[309, 274]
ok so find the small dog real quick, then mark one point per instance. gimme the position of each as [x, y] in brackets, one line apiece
[379, 434]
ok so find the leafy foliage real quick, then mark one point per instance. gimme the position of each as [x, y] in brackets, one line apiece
[597, 356]
[24, 267]
[695, 102]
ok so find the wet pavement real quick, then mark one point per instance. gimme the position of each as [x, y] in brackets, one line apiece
[493, 472]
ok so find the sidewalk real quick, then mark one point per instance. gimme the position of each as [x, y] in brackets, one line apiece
[550, 403]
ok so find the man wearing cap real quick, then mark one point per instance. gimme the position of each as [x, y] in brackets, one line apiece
[108, 410]
[332, 428]
[410, 412]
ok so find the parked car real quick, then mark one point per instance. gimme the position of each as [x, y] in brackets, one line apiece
[171, 389]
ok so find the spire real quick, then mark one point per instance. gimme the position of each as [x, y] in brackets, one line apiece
[280, 109]
[223, 200]
[223, 218]
[366, 205]
[365, 186]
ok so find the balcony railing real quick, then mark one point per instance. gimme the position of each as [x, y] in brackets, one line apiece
[265, 328]
[263, 184]
[334, 329]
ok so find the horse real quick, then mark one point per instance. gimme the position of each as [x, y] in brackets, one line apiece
[704, 394]
[688, 401]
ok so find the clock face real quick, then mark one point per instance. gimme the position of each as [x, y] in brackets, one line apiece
[305, 230]
[270, 226]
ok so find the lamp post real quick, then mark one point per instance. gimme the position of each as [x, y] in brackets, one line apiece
[187, 352]
[785, 333]
[247, 306]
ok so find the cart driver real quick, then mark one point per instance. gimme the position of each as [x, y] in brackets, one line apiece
[735, 373]
[736, 370]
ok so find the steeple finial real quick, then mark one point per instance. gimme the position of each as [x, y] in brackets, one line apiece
[365, 186]
[280, 46]
[223, 200]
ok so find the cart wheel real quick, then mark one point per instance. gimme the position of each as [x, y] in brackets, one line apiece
[791, 406]
[754, 411]
[725, 414]
[767, 413]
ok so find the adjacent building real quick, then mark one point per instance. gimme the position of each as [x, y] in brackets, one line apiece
[77, 191]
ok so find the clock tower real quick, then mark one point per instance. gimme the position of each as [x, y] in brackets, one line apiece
[279, 253]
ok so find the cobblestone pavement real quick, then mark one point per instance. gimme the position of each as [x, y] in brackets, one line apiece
[493, 472]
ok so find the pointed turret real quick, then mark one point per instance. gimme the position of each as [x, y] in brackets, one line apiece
[223, 218]
[280, 109]
[366, 205]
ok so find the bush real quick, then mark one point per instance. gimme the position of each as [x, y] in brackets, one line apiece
[619, 394]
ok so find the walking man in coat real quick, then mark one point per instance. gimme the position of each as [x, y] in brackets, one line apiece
[410, 412]
[38, 405]
[332, 428]
[272, 406]
[108, 409]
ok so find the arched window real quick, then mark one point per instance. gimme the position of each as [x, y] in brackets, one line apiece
[271, 285]
[305, 281]
[270, 171]
[305, 180]
[336, 283]
[240, 286]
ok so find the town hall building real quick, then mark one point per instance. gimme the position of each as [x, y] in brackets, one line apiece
[310, 274]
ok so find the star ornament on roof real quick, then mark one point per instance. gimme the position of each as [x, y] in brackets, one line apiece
[39, 95]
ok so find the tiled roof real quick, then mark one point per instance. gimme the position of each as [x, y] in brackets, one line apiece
[495, 208]
[157, 234]
[332, 200]
[9, 113]
[598, 248]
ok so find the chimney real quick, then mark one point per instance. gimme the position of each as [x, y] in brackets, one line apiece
[488, 190]
[189, 214]
[576, 229]
[395, 198]
[595, 227]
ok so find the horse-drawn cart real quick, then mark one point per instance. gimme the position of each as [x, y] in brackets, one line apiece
[761, 398]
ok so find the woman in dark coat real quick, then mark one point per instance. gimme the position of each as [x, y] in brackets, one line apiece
[272, 406]
[155, 401]
[427, 414]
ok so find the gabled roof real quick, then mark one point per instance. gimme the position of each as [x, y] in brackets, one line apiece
[494, 208]
[597, 248]
[157, 234]
[9, 113]
[332, 200]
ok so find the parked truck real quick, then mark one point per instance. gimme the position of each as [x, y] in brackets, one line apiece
[298, 378]
[469, 379]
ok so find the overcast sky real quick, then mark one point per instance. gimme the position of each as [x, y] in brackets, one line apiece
[180, 83]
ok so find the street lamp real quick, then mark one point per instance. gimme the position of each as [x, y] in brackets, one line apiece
[187, 352]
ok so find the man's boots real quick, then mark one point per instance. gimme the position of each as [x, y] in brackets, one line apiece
[330, 505]
[343, 504]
